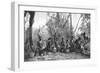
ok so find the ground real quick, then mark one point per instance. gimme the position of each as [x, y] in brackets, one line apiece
[59, 56]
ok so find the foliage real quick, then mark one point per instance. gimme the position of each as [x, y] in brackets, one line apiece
[58, 36]
[85, 26]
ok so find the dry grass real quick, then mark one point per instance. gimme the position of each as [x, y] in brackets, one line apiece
[58, 56]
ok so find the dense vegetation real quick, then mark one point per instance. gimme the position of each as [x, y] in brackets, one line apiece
[58, 35]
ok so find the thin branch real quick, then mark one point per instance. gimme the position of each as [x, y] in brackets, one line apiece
[66, 20]
[77, 24]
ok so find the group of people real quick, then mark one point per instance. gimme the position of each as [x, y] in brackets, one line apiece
[63, 46]
[44, 47]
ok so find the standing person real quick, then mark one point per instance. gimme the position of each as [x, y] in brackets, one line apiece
[67, 47]
[48, 46]
[62, 45]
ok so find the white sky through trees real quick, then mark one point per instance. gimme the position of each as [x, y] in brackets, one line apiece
[41, 18]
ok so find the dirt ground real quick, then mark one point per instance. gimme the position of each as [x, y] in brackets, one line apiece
[58, 56]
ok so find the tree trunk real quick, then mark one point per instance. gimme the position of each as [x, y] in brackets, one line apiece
[71, 31]
[30, 27]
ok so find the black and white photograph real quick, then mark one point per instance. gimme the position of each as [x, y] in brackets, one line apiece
[56, 35]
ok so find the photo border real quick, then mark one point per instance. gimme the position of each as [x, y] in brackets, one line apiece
[16, 60]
